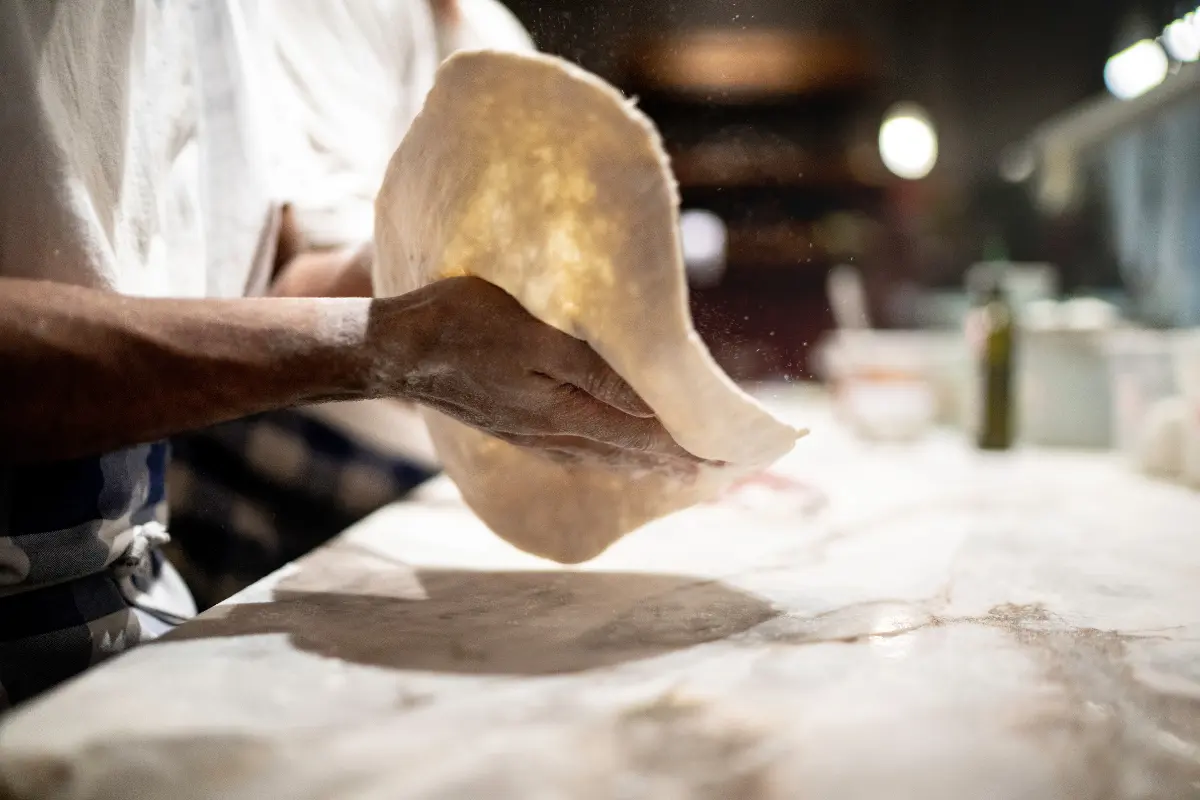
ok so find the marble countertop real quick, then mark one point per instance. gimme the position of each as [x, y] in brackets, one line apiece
[865, 621]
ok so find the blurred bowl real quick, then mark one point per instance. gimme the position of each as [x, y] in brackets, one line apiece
[1187, 375]
[894, 385]
[1159, 449]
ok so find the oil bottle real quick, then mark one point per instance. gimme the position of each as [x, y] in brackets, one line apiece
[996, 369]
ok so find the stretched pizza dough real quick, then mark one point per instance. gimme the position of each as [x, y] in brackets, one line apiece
[537, 176]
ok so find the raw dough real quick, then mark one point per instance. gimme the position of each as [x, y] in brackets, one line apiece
[537, 176]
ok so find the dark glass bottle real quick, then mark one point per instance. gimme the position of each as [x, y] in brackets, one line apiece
[996, 371]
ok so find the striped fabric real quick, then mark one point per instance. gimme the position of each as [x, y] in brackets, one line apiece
[67, 589]
[245, 498]
[249, 496]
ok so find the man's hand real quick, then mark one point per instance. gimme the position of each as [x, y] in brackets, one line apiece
[98, 371]
[485, 361]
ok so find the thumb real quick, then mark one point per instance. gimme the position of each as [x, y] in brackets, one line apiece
[591, 373]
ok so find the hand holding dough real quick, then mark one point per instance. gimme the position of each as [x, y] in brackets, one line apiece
[540, 178]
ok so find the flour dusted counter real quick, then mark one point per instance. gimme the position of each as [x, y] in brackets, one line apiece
[865, 622]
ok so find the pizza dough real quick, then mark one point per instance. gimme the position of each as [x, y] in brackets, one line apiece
[537, 176]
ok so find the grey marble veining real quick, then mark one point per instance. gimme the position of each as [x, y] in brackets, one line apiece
[865, 622]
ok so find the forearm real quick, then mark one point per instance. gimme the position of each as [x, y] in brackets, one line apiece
[83, 371]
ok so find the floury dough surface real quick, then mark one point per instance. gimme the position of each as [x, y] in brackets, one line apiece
[540, 178]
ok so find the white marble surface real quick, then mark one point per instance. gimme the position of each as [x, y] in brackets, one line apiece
[887, 622]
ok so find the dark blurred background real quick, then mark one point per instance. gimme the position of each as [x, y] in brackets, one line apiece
[771, 111]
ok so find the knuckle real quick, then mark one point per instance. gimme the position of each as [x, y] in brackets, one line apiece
[605, 379]
[642, 438]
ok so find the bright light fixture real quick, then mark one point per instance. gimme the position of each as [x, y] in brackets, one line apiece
[1136, 69]
[1182, 38]
[908, 143]
[703, 237]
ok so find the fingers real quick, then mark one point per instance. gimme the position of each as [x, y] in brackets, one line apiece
[572, 426]
[552, 353]
[583, 367]
[580, 451]
[580, 432]
[509, 375]
[578, 413]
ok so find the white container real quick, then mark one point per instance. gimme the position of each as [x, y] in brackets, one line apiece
[1141, 370]
[894, 384]
[1064, 398]
[1063, 389]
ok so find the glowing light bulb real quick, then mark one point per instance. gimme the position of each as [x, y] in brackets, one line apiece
[908, 143]
[703, 237]
[1182, 38]
[1136, 70]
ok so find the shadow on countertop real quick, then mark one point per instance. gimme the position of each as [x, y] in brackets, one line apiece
[356, 605]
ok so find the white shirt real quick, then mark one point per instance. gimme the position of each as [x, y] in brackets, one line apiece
[345, 80]
[130, 163]
[147, 143]
[123, 168]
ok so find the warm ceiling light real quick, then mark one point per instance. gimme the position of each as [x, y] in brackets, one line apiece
[908, 143]
[1136, 69]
